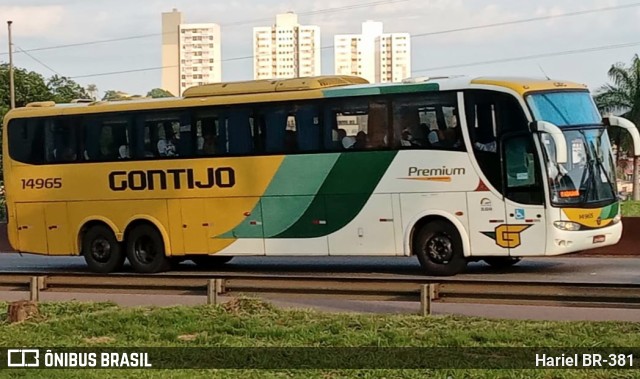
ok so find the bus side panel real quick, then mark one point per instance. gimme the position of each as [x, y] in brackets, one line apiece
[58, 231]
[32, 235]
[121, 213]
[371, 232]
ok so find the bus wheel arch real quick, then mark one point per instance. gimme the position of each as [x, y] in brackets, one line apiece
[439, 244]
[146, 247]
[100, 247]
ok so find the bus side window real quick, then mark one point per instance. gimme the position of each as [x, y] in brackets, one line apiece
[427, 122]
[26, 140]
[61, 144]
[360, 125]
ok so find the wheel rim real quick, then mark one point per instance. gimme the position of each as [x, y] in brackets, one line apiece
[101, 250]
[439, 248]
[144, 250]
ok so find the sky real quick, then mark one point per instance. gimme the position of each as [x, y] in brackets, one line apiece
[51, 23]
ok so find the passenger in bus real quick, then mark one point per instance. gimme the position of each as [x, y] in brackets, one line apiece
[65, 154]
[437, 139]
[490, 146]
[209, 143]
[290, 141]
[407, 139]
[454, 137]
[362, 141]
[348, 142]
[167, 148]
[123, 152]
[342, 134]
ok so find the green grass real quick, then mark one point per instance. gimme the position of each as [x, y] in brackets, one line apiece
[631, 208]
[251, 323]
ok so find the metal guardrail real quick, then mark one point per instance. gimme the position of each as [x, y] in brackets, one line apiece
[595, 295]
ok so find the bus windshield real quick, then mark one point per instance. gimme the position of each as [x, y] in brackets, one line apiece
[588, 177]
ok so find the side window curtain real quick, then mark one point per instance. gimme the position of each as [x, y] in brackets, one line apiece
[239, 129]
[186, 144]
[276, 127]
[222, 134]
[308, 128]
[330, 130]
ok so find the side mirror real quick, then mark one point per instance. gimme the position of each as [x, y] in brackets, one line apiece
[557, 136]
[627, 125]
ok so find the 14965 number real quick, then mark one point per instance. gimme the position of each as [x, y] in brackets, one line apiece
[41, 183]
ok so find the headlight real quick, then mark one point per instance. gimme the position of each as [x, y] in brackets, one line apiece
[617, 219]
[567, 225]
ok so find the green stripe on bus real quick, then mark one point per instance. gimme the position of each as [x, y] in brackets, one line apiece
[610, 211]
[288, 196]
[343, 194]
[368, 90]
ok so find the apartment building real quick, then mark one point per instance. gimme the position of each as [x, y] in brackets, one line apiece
[374, 55]
[286, 49]
[191, 53]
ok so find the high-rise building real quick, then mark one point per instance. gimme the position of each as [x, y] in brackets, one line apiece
[286, 50]
[376, 56]
[191, 53]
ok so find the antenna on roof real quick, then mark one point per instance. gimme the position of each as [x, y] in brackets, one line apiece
[543, 72]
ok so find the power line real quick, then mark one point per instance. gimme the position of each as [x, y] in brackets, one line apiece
[231, 24]
[526, 57]
[37, 60]
[440, 32]
[479, 63]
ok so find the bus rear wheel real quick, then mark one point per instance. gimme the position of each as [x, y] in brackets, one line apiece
[501, 262]
[101, 250]
[210, 261]
[439, 249]
[145, 250]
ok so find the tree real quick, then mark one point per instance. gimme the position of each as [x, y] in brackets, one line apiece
[158, 93]
[29, 87]
[622, 96]
[92, 90]
[65, 90]
[112, 95]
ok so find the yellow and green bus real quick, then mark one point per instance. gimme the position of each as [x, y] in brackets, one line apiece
[449, 169]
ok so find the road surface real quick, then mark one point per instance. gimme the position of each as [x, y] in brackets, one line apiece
[568, 269]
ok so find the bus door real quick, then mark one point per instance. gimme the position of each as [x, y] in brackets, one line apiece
[524, 233]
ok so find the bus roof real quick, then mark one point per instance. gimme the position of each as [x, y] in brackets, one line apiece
[257, 91]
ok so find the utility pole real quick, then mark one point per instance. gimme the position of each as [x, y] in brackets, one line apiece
[12, 90]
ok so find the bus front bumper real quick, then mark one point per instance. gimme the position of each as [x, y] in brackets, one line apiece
[563, 242]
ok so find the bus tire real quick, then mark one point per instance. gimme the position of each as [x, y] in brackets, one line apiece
[145, 250]
[501, 262]
[438, 246]
[210, 261]
[101, 250]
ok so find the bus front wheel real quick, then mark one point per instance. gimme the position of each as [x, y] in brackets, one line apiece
[101, 250]
[439, 249]
[145, 250]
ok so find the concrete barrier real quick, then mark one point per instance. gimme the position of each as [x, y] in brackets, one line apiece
[628, 245]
